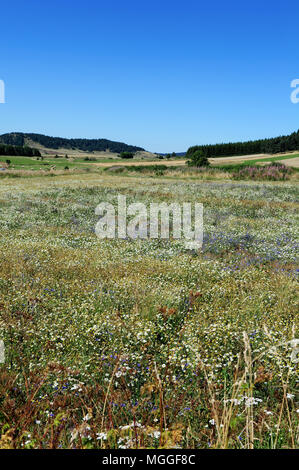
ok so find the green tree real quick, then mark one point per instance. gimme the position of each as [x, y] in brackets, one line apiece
[198, 158]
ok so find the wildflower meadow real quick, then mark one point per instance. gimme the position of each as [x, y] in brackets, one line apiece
[129, 344]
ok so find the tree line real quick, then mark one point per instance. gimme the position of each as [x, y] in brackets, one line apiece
[86, 145]
[18, 150]
[275, 145]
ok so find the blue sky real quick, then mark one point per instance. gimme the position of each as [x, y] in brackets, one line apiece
[163, 75]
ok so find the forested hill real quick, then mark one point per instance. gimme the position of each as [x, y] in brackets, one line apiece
[18, 150]
[86, 145]
[280, 144]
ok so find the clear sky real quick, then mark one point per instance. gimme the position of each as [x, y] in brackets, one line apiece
[162, 75]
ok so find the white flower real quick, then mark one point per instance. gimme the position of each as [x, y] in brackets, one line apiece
[76, 387]
[155, 434]
[290, 396]
[101, 435]
[252, 401]
[132, 425]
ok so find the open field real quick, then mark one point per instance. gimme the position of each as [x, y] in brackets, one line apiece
[293, 162]
[287, 159]
[50, 163]
[125, 344]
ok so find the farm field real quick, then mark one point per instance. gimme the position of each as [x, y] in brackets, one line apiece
[96, 161]
[144, 344]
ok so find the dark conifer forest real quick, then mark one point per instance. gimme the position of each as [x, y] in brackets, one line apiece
[275, 145]
[18, 150]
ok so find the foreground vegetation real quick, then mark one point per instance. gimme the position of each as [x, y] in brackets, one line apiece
[129, 344]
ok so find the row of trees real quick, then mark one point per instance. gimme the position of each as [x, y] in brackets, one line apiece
[86, 145]
[275, 145]
[17, 150]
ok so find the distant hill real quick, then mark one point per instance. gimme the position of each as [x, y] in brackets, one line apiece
[85, 145]
[173, 154]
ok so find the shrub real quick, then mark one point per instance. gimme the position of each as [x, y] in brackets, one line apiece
[198, 159]
[126, 155]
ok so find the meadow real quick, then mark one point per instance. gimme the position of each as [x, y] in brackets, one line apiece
[94, 162]
[142, 343]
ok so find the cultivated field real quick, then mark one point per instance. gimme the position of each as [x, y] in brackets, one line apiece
[144, 344]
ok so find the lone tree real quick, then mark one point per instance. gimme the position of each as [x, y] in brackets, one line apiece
[198, 158]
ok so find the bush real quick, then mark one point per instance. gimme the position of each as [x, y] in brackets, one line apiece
[198, 158]
[126, 155]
